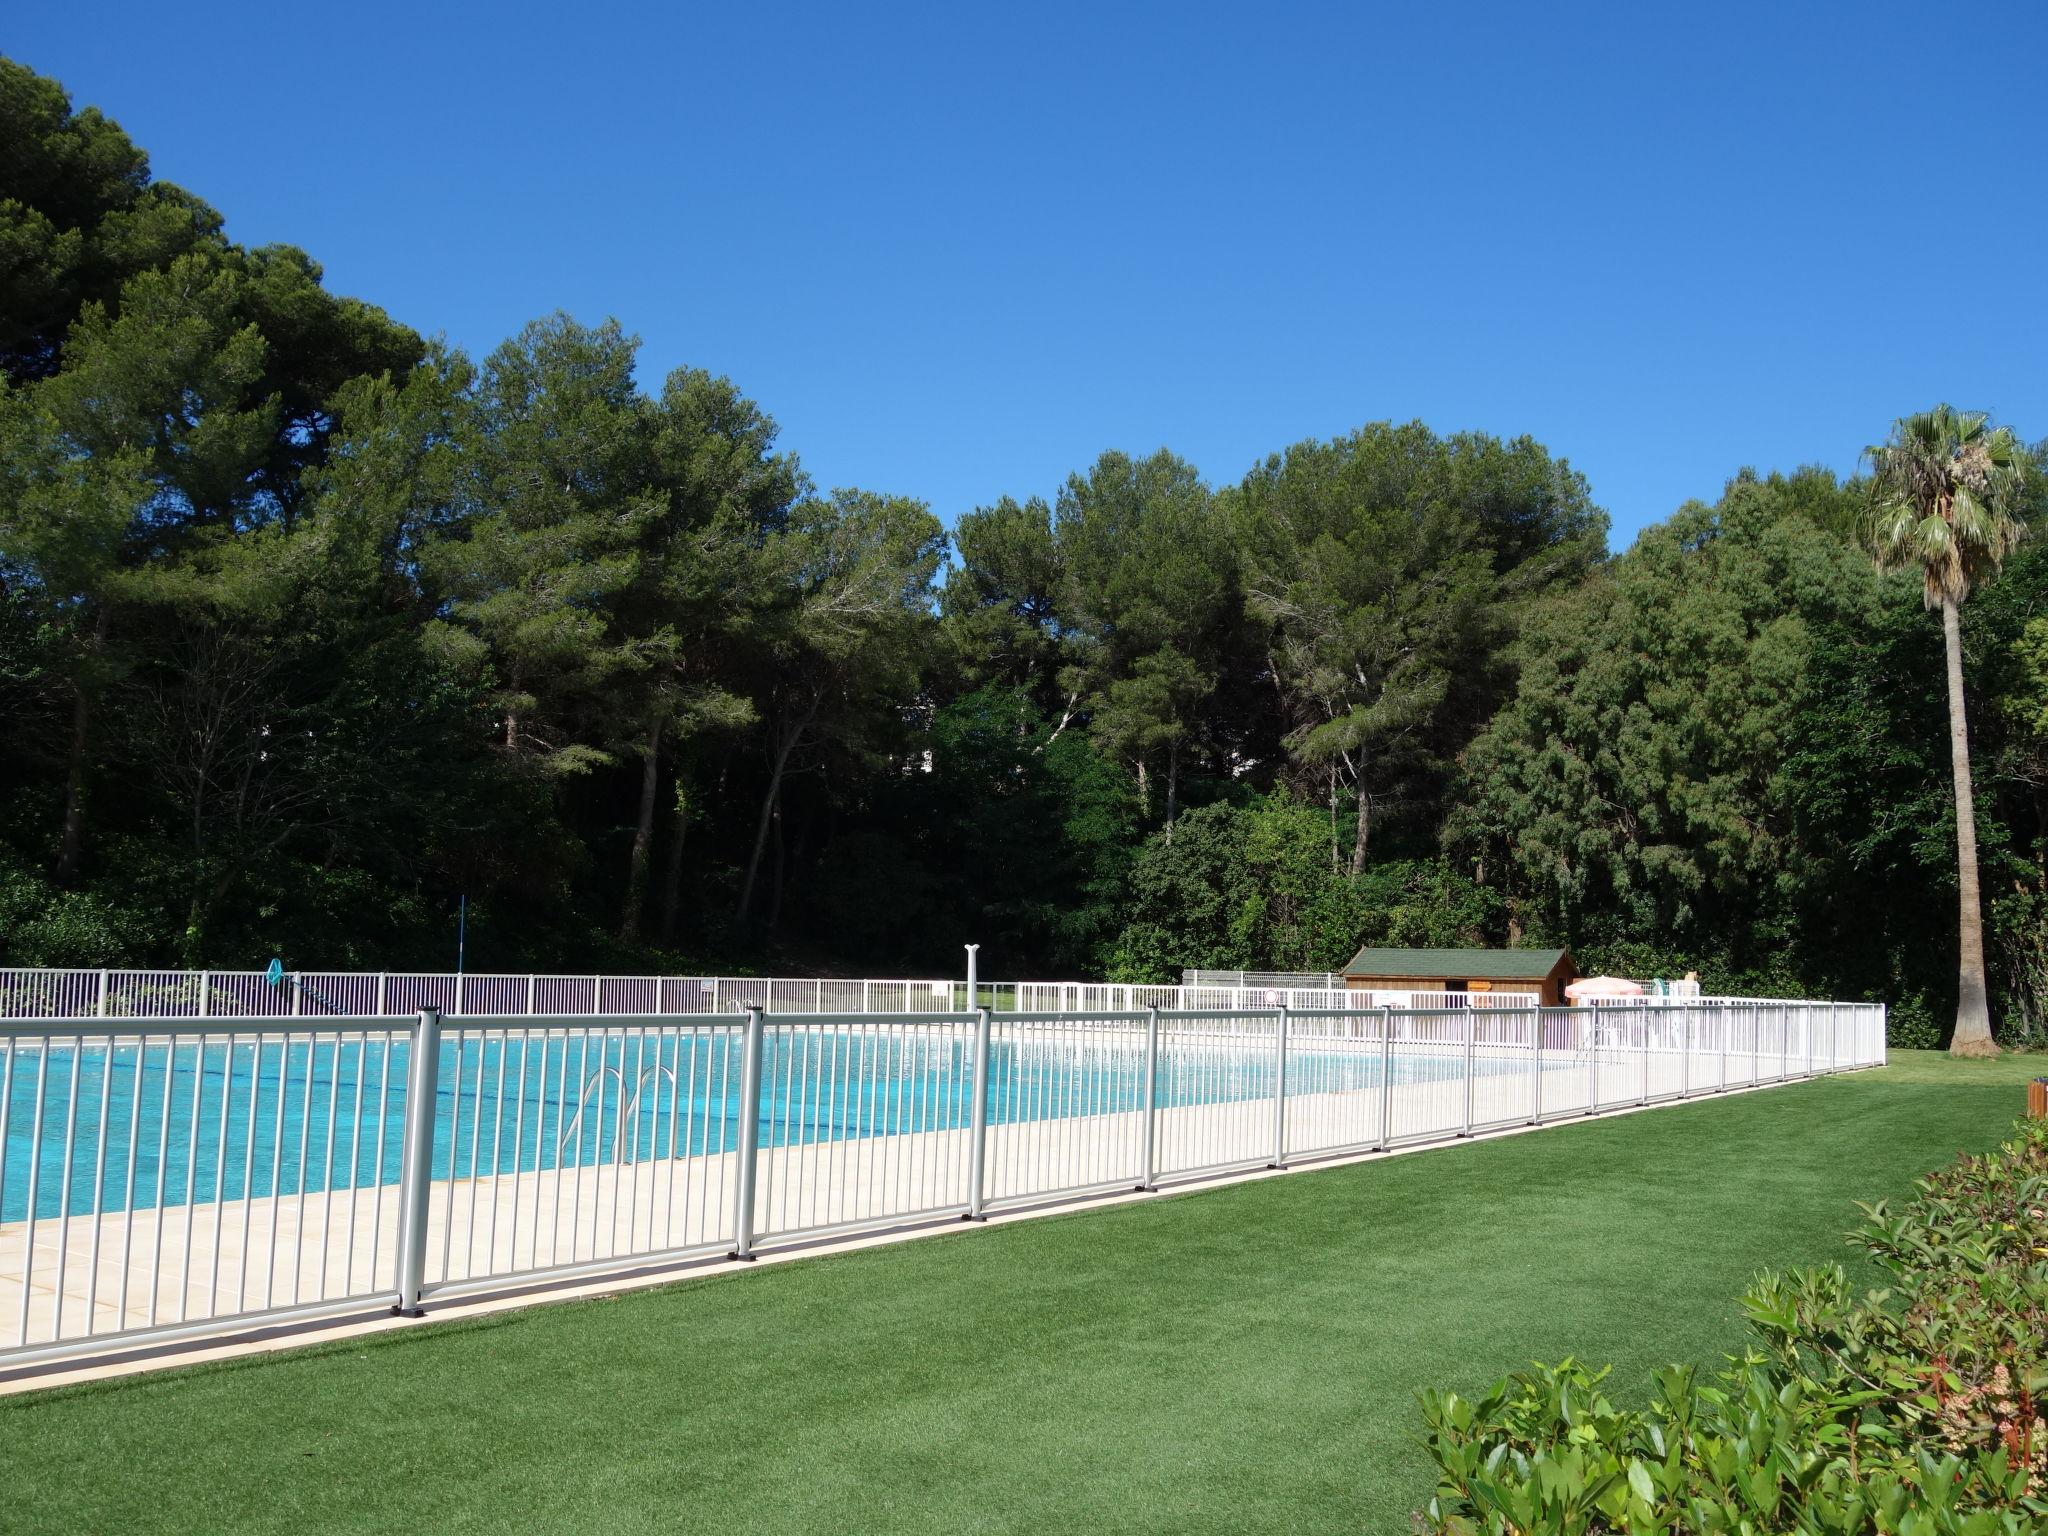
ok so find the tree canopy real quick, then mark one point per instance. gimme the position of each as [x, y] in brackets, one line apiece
[311, 628]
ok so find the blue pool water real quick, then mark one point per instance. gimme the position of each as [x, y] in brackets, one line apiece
[192, 1122]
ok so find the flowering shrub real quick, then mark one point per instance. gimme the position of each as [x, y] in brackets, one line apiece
[1917, 1410]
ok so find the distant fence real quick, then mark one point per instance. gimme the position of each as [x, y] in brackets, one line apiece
[146, 994]
[170, 1177]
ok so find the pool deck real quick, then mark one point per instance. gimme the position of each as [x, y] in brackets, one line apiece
[663, 1219]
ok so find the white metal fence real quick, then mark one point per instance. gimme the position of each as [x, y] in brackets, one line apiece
[121, 994]
[170, 1177]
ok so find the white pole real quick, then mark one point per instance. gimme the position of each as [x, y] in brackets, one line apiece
[973, 993]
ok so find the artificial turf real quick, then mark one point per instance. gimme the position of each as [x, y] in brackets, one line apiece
[1239, 1359]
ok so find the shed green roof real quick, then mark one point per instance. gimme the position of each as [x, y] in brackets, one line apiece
[1488, 964]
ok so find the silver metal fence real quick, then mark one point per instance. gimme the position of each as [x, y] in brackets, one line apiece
[183, 1176]
[76, 994]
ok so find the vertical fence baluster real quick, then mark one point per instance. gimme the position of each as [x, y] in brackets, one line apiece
[1386, 1078]
[416, 1166]
[1471, 1031]
[977, 1181]
[1148, 1130]
[1593, 1057]
[750, 1135]
[1280, 1032]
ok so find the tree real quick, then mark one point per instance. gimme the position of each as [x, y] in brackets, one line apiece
[1149, 583]
[1386, 567]
[1945, 490]
[1635, 786]
[1002, 598]
[841, 654]
[721, 490]
[79, 216]
[556, 454]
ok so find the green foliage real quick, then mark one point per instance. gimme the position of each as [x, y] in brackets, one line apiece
[1916, 1410]
[49, 926]
[1259, 886]
[309, 629]
[1385, 566]
[1634, 785]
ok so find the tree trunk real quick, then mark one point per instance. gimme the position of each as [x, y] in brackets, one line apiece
[643, 838]
[71, 843]
[74, 792]
[1172, 787]
[1334, 864]
[672, 876]
[1144, 790]
[1364, 829]
[769, 801]
[1973, 1008]
[781, 869]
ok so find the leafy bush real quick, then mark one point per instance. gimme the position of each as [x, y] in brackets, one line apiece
[1910, 1025]
[1912, 1411]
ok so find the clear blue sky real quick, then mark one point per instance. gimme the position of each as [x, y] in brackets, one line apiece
[959, 250]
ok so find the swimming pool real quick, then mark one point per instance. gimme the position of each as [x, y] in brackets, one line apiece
[191, 1121]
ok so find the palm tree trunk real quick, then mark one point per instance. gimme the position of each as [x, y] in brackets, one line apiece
[1973, 1009]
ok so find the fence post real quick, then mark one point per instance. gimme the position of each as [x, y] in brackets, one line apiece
[415, 1178]
[1593, 1059]
[1386, 1078]
[1536, 1069]
[1148, 1131]
[205, 992]
[103, 992]
[1280, 1091]
[1471, 1030]
[977, 1191]
[1685, 1053]
[1646, 1058]
[750, 1136]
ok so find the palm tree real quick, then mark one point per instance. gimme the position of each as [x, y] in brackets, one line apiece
[1946, 489]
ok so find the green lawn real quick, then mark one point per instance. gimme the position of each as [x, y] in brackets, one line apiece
[1243, 1359]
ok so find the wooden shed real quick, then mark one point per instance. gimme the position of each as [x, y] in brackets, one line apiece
[1543, 971]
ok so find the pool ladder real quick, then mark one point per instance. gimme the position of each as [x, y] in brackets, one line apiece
[629, 1108]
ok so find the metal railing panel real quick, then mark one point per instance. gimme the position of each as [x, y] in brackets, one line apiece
[1066, 1104]
[177, 1174]
[204, 1177]
[864, 1119]
[1217, 1084]
[561, 1144]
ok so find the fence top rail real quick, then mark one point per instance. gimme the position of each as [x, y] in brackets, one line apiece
[239, 1025]
[850, 1020]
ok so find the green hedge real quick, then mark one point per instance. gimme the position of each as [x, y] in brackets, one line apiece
[1917, 1410]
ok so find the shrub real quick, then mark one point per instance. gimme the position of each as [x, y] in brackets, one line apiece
[1917, 1410]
